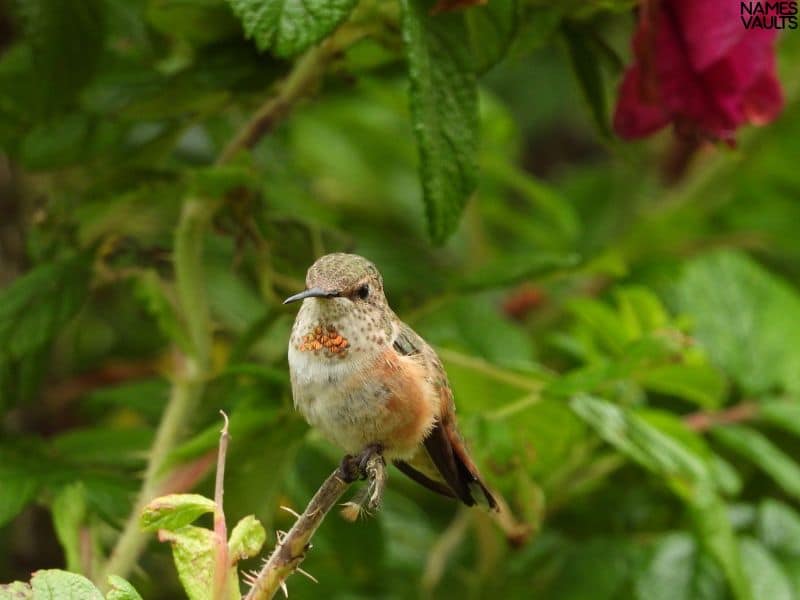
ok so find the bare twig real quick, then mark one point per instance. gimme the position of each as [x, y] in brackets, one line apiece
[301, 81]
[221, 563]
[292, 546]
[705, 420]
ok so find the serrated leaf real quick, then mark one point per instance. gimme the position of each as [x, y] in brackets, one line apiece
[174, 511]
[492, 30]
[69, 511]
[36, 305]
[587, 69]
[679, 570]
[16, 590]
[767, 578]
[757, 448]
[747, 319]
[193, 552]
[287, 27]
[54, 584]
[247, 538]
[642, 442]
[444, 112]
[778, 527]
[121, 589]
[715, 532]
[66, 38]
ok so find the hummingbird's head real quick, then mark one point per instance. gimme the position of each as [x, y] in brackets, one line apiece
[348, 277]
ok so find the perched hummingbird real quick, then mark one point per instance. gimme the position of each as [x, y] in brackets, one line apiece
[364, 378]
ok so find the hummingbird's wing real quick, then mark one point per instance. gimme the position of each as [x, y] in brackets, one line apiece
[443, 445]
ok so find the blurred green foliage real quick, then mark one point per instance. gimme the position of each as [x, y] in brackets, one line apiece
[622, 335]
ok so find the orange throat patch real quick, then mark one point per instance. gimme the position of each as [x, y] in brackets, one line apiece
[326, 338]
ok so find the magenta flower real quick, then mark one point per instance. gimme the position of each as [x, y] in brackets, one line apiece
[697, 65]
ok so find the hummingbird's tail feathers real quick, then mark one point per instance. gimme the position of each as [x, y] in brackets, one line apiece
[422, 479]
[448, 453]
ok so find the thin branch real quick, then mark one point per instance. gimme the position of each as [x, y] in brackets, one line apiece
[705, 420]
[302, 79]
[221, 564]
[292, 547]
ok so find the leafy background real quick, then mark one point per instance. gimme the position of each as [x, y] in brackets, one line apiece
[621, 325]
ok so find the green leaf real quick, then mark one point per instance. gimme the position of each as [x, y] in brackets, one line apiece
[19, 488]
[587, 69]
[640, 441]
[679, 570]
[641, 310]
[69, 513]
[492, 29]
[198, 21]
[781, 413]
[715, 531]
[36, 305]
[778, 527]
[701, 384]
[174, 511]
[67, 38]
[55, 144]
[757, 448]
[767, 578]
[121, 446]
[515, 269]
[598, 569]
[16, 590]
[193, 552]
[54, 584]
[247, 538]
[747, 319]
[287, 27]
[121, 589]
[444, 111]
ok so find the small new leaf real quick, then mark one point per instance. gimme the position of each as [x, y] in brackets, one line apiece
[121, 589]
[174, 511]
[246, 539]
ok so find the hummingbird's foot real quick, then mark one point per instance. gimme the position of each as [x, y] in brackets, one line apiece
[376, 474]
[366, 455]
[349, 468]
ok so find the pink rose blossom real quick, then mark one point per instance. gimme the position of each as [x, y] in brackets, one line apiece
[696, 65]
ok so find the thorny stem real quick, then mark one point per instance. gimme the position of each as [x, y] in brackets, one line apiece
[291, 548]
[221, 563]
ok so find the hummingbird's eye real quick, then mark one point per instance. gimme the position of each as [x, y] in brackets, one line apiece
[363, 291]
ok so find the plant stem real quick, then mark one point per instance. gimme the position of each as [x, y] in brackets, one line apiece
[188, 384]
[221, 563]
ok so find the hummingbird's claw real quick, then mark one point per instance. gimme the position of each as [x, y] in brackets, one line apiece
[366, 455]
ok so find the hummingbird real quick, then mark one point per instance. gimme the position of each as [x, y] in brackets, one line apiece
[365, 379]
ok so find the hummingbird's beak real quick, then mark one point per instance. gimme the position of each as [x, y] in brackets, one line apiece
[312, 293]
